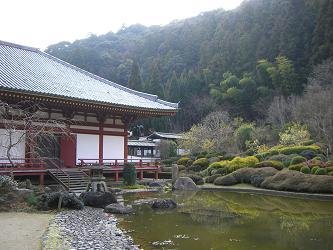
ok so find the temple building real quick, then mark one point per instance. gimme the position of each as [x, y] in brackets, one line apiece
[96, 111]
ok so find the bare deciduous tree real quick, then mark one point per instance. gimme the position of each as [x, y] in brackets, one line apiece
[22, 123]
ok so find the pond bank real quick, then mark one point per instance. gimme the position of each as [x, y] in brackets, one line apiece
[245, 188]
[89, 228]
[23, 230]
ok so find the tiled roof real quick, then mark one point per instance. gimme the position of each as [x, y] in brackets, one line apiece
[162, 135]
[138, 143]
[30, 70]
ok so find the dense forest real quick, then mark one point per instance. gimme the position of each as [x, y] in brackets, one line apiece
[236, 61]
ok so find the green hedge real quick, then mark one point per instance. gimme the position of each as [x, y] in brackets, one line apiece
[129, 174]
[298, 149]
[314, 169]
[321, 171]
[305, 170]
[242, 162]
[274, 164]
[297, 160]
[296, 167]
[183, 161]
[202, 162]
[211, 179]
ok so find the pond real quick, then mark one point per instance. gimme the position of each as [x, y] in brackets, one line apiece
[233, 221]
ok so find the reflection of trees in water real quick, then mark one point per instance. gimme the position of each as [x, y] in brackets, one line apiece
[294, 217]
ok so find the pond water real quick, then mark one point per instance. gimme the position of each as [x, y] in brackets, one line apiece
[233, 221]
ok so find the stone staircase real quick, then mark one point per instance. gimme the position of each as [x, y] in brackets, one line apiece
[73, 180]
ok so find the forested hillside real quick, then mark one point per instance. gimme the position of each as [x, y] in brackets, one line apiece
[235, 61]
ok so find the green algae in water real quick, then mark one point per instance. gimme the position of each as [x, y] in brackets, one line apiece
[235, 221]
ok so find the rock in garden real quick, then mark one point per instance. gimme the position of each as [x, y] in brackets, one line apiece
[155, 184]
[163, 204]
[24, 192]
[185, 183]
[98, 199]
[117, 208]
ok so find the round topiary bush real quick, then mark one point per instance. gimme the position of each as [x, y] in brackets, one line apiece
[296, 167]
[308, 154]
[321, 171]
[274, 164]
[183, 161]
[297, 160]
[198, 180]
[211, 179]
[305, 170]
[202, 162]
[314, 169]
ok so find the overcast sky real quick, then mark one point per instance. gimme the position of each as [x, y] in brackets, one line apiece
[39, 23]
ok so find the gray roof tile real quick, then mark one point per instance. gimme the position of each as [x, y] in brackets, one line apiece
[31, 70]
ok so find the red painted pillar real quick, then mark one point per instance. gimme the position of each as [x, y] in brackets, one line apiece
[100, 155]
[41, 179]
[125, 143]
[68, 150]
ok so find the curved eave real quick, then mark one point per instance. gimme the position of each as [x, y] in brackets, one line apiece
[83, 103]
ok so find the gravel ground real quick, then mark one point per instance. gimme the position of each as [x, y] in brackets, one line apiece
[89, 228]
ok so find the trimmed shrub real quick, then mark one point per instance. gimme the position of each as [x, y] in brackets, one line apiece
[211, 179]
[32, 200]
[308, 154]
[203, 162]
[198, 180]
[7, 184]
[314, 169]
[220, 171]
[330, 173]
[274, 164]
[307, 143]
[129, 174]
[213, 159]
[297, 160]
[262, 156]
[298, 149]
[242, 162]
[201, 155]
[180, 167]
[321, 171]
[296, 167]
[227, 157]
[50, 201]
[320, 157]
[183, 161]
[329, 169]
[305, 170]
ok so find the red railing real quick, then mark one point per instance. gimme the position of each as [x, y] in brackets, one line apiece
[119, 163]
[22, 163]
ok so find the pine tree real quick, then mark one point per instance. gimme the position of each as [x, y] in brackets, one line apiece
[154, 85]
[135, 81]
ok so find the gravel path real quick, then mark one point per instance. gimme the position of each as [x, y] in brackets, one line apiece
[89, 228]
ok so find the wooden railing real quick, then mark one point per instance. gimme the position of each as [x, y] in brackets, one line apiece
[22, 163]
[119, 163]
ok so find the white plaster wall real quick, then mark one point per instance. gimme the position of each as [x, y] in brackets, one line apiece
[87, 146]
[113, 147]
[18, 151]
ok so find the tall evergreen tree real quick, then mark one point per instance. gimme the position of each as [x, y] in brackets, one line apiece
[135, 81]
[154, 85]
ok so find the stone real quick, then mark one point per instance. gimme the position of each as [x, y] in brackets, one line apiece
[24, 192]
[163, 204]
[155, 184]
[185, 183]
[118, 209]
[98, 199]
[175, 173]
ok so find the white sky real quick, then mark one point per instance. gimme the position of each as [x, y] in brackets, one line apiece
[39, 23]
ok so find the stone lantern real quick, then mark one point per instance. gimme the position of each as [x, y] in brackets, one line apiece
[97, 180]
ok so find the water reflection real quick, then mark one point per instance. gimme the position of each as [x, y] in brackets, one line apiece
[223, 220]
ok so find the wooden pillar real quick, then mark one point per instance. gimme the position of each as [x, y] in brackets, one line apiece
[125, 142]
[41, 179]
[100, 155]
[141, 175]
